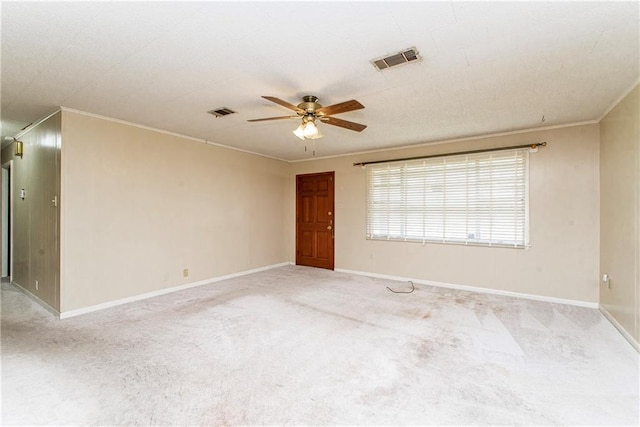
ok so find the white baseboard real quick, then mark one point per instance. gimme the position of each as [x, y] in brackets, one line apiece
[619, 327]
[79, 311]
[474, 289]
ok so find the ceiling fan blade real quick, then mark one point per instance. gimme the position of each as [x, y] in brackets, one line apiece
[343, 123]
[342, 107]
[283, 103]
[274, 118]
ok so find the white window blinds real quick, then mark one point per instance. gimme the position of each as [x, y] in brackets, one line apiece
[466, 199]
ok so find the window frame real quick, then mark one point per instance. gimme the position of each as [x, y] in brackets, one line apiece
[490, 162]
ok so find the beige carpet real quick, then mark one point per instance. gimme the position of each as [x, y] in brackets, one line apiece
[306, 346]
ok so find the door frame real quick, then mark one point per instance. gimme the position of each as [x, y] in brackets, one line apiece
[9, 167]
[333, 213]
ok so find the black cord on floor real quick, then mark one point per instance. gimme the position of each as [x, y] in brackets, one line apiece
[413, 288]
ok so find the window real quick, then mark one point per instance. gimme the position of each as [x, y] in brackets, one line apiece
[479, 199]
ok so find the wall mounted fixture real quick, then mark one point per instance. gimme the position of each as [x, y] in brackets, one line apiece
[19, 148]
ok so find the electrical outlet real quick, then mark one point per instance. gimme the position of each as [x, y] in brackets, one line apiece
[185, 272]
[36, 285]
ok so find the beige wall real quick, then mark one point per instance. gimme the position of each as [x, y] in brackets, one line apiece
[619, 211]
[564, 216]
[35, 218]
[140, 206]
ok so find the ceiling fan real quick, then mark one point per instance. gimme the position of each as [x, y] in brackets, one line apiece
[309, 110]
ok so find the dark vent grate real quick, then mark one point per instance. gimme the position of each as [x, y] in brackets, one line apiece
[380, 64]
[407, 55]
[395, 60]
[411, 55]
[221, 112]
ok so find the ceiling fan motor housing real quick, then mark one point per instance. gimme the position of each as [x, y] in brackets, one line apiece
[309, 104]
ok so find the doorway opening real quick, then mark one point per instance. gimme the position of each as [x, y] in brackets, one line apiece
[315, 220]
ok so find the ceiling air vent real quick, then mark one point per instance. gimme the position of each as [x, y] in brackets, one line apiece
[221, 112]
[407, 55]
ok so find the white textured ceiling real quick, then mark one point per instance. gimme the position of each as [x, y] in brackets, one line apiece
[485, 68]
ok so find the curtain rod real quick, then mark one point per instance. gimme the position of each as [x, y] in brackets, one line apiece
[486, 150]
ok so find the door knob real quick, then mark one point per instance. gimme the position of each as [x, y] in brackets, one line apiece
[329, 227]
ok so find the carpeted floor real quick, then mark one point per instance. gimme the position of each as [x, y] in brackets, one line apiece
[298, 345]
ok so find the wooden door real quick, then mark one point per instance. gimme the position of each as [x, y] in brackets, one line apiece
[315, 219]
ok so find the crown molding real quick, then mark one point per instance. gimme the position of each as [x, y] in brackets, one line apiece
[165, 132]
[36, 123]
[619, 99]
[450, 141]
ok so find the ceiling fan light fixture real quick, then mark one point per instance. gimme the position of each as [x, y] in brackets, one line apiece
[318, 134]
[299, 132]
[307, 129]
[310, 130]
